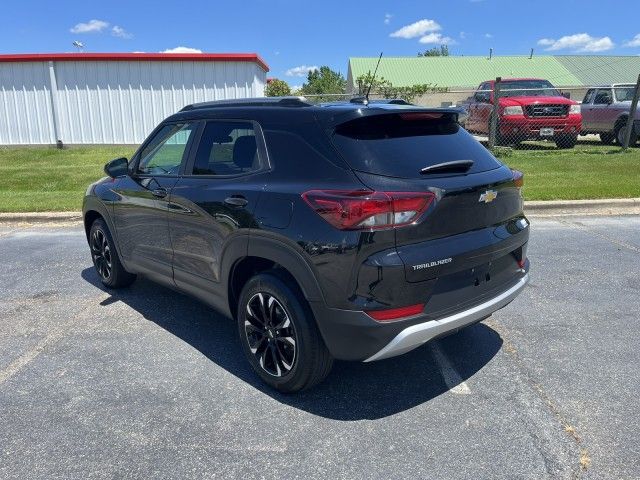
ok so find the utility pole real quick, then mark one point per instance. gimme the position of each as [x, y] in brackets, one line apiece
[493, 125]
[632, 116]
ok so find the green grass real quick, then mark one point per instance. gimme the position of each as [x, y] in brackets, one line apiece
[34, 179]
[587, 171]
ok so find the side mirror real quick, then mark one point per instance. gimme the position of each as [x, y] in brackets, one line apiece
[118, 167]
[566, 95]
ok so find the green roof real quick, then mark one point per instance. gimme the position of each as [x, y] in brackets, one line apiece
[455, 71]
[602, 69]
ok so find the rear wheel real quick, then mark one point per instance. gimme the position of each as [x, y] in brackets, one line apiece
[566, 141]
[607, 138]
[279, 336]
[105, 257]
[620, 131]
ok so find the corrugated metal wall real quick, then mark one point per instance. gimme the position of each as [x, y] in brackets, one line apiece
[117, 102]
[25, 104]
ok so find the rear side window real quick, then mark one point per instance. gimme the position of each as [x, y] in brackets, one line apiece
[401, 144]
[227, 148]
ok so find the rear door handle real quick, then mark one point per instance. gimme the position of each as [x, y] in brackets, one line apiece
[159, 192]
[236, 201]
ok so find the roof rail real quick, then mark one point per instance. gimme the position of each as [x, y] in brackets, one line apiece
[252, 102]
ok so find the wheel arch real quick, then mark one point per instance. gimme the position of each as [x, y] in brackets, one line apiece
[266, 253]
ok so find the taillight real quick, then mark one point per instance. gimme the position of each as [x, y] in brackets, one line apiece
[367, 210]
[395, 313]
[518, 178]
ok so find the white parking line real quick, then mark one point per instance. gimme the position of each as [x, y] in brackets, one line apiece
[28, 357]
[450, 376]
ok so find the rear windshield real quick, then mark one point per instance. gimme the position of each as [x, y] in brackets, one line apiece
[401, 144]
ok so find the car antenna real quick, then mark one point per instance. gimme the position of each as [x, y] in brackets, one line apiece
[366, 97]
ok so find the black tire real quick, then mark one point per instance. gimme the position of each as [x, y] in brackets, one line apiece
[619, 133]
[608, 138]
[566, 141]
[280, 315]
[105, 257]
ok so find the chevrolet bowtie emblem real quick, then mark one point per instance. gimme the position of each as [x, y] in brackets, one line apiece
[488, 196]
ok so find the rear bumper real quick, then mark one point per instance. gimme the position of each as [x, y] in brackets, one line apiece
[353, 335]
[416, 335]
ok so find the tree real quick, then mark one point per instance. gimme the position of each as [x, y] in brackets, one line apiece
[441, 51]
[277, 88]
[386, 89]
[324, 81]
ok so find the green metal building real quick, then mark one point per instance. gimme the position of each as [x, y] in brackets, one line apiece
[468, 72]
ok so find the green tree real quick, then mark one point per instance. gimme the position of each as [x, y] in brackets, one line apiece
[324, 81]
[383, 87]
[441, 51]
[277, 88]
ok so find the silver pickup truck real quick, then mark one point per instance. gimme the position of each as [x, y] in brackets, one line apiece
[605, 111]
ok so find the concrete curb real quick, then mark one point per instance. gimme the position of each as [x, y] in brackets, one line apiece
[40, 217]
[615, 206]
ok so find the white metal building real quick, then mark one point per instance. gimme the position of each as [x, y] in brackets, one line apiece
[113, 98]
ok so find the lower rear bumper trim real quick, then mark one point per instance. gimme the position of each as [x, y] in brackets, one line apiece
[414, 336]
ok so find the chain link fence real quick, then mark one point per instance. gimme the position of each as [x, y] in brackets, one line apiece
[534, 114]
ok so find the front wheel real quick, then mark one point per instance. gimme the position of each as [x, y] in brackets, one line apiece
[105, 257]
[620, 131]
[278, 334]
[566, 141]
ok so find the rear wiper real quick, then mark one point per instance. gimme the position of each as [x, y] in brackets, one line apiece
[456, 166]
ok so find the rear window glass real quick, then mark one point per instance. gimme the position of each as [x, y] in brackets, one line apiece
[401, 144]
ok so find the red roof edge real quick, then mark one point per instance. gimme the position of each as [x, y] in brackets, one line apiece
[148, 57]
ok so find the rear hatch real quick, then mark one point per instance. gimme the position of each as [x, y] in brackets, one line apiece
[475, 224]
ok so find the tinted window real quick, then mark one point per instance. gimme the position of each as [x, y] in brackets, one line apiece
[401, 144]
[227, 148]
[603, 97]
[588, 98]
[164, 153]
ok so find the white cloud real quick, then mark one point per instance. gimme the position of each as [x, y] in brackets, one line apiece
[92, 26]
[488, 35]
[182, 50]
[634, 42]
[417, 29]
[300, 71]
[387, 18]
[120, 32]
[579, 42]
[463, 35]
[295, 88]
[437, 38]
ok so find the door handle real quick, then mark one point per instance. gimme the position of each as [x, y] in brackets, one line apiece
[236, 201]
[159, 192]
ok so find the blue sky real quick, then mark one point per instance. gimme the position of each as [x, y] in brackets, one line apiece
[293, 36]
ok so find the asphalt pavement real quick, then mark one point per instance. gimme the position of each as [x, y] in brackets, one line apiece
[146, 382]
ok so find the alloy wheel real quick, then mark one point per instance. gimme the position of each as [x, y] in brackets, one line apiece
[101, 253]
[270, 334]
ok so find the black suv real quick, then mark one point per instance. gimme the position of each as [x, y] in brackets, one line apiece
[347, 230]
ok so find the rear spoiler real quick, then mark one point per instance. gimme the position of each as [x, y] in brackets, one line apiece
[456, 114]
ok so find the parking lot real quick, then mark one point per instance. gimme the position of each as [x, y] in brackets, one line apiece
[147, 382]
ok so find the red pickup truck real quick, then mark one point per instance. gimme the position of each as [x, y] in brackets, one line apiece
[529, 109]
